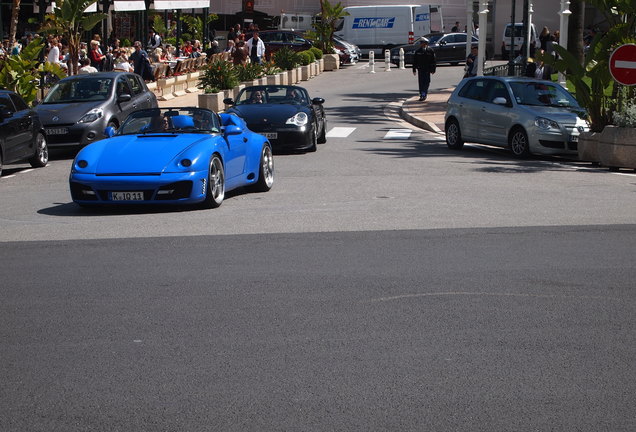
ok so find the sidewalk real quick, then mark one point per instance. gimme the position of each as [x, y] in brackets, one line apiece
[429, 114]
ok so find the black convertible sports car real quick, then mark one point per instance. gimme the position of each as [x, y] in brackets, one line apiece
[286, 115]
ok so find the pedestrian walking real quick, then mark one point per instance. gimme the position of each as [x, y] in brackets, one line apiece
[424, 65]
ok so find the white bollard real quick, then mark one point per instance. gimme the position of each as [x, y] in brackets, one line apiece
[372, 61]
[387, 60]
[402, 58]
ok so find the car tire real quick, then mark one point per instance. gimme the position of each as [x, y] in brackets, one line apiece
[454, 135]
[265, 171]
[313, 145]
[323, 134]
[215, 189]
[519, 144]
[41, 156]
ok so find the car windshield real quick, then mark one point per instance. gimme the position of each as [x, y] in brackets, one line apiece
[272, 95]
[170, 120]
[542, 94]
[79, 90]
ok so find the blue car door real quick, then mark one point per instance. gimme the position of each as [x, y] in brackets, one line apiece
[235, 156]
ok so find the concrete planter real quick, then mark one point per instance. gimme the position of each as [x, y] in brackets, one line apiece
[291, 77]
[617, 147]
[283, 78]
[273, 79]
[331, 61]
[588, 147]
[299, 73]
[304, 73]
[235, 91]
[321, 65]
[212, 101]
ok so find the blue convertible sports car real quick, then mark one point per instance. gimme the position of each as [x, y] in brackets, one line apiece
[172, 156]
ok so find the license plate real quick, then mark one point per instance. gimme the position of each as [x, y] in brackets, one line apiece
[56, 131]
[127, 196]
[271, 135]
[574, 138]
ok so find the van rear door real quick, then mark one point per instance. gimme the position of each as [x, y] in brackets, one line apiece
[422, 21]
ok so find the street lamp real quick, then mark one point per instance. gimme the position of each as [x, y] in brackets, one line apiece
[511, 51]
[563, 29]
[483, 16]
[469, 26]
[528, 41]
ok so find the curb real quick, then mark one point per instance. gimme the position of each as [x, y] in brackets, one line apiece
[419, 122]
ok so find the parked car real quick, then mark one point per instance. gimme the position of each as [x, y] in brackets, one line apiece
[22, 136]
[172, 156]
[348, 52]
[286, 115]
[78, 109]
[277, 39]
[523, 114]
[448, 47]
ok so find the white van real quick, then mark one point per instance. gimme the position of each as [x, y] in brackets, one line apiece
[518, 37]
[376, 28]
[295, 22]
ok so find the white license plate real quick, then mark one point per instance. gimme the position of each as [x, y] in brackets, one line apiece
[56, 131]
[574, 138]
[271, 135]
[127, 196]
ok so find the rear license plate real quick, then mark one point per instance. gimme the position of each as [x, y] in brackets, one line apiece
[56, 131]
[271, 135]
[127, 196]
[574, 138]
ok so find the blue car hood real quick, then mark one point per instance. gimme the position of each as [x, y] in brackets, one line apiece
[139, 154]
[255, 114]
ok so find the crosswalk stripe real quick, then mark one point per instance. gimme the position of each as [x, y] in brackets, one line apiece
[340, 132]
[398, 134]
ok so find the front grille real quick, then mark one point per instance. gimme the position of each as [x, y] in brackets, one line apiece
[174, 191]
[552, 144]
[82, 192]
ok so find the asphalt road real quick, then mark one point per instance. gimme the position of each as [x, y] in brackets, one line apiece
[384, 283]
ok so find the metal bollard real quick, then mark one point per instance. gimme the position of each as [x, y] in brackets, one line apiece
[402, 58]
[387, 60]
[372, 61]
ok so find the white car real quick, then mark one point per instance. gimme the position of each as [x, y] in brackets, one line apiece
[523, 114]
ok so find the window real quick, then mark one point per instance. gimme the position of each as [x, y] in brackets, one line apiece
[498, 89]
[135, 85]
[18, 102]
[460, 38]
[476, 89]
[122, 87]
[6, 104]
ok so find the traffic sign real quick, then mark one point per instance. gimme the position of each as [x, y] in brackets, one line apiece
[623, 64]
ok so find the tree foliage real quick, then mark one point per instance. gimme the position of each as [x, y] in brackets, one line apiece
[324, 28]
[69, 20]
[23, 73]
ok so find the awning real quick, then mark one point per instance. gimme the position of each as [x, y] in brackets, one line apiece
[49, 7]
[129, 5]
[181, 4]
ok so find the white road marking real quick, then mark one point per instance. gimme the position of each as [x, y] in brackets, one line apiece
[340, 132]
[398, 134]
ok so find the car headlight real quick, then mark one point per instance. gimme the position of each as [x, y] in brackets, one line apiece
[299, 119]
[546, 124]
[92, 115]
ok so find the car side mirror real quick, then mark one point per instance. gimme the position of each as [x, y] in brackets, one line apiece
[109, 132]
[442, 43]
[318, 101]
[124, 97]
[500, 101]
[228, 101]
[233, 130]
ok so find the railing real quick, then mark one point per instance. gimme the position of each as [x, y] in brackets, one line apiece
[502, 70]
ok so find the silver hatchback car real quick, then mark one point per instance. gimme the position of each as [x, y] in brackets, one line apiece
[523, 114]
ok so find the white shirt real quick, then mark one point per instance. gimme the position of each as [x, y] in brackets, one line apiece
[54, 55]
[87, 69]
[260, 47]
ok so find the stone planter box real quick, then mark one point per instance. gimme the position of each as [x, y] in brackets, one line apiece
[167, 88]
[321, 65]
[283, 78]
[331, 61]
[299, 73]
[212, 101]
[617, 147]
[291, 77]
[588, 147]
[304, 73]
[273, 79]
[235, 91]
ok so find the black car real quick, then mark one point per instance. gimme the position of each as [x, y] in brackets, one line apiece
[77, 109]
[277, 39]
[21, 133]
[448, 47]
[286, 115]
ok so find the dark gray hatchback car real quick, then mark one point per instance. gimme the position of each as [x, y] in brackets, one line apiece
[78, 109]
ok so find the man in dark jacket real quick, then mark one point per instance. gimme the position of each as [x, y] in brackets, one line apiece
[424, 64]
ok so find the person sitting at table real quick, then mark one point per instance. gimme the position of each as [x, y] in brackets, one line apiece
[186, 49]
[120, 62]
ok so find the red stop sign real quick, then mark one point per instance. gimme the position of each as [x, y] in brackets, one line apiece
[623, 64]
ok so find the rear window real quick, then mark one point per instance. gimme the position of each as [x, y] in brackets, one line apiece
[518, 31]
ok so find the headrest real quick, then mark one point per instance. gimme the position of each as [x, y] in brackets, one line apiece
[182, 121]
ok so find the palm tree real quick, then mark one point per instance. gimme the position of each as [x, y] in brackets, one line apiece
[330, 14]
[69, 20]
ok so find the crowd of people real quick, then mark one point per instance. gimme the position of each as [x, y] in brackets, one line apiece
[244, 45]
[97, 55]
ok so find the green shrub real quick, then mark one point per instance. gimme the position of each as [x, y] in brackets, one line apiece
[306, 57]
[126, 42]
[317, 52]
[626, 117]
[219, 74]
[248, 71]
[286, 59]
[270, 68]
